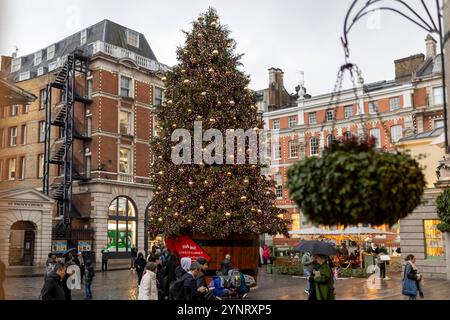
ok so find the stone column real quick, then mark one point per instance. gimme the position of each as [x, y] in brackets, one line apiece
[447, 253]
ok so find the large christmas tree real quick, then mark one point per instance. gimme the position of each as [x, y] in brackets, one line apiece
[217, 199]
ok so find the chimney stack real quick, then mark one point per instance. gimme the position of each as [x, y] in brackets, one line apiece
[430, 46]
[276, 87]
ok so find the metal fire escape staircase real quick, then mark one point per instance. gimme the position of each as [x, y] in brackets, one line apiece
[60, 153]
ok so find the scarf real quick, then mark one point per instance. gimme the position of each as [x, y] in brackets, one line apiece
[412, 265]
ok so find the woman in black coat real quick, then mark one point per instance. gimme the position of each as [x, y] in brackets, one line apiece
[139, 265]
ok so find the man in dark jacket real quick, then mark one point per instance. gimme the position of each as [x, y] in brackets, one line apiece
[191, 291]
[201, 281]
[105, 256]
[53, 286]
[225, 265]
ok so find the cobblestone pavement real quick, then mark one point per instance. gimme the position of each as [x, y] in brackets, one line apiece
[122, 285]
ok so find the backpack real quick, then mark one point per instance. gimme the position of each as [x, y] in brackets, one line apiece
[235, 278]
[176, 288]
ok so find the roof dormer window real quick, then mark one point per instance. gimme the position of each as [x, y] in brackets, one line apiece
[16, 64]
[37, 58]
[133, 38]
[83, 36]
[51, 52]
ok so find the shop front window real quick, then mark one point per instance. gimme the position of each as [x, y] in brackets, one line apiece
[122, 225]
[434, 244]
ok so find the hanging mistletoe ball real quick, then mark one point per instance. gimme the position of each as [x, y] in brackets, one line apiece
[443, 210]
[353, 183]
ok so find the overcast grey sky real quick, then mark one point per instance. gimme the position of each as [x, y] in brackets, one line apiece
[288, 34]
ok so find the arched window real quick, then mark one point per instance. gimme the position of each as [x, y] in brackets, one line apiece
[313, 146]
[122, 225]
[330, 139]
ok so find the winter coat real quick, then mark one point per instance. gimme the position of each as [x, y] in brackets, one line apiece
[410, 280]
[307, 262]
[225, 266]
[53, 288]
[266, 253]
[324, 284]
[147, 288]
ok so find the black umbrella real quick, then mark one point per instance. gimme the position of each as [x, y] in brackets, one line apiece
[71, 250]
[316, 247]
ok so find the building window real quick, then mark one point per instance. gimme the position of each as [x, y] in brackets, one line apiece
[12, 136]
[12, 169]
[88, 166]
[434, 244]
[438, 98]
[330, 115]
[50, 52]
[83, 36]
[26, 108]
[276, 123]
[16, 64]
[313, 146]
[37, 58]
[158, 96]
[293, 149]
[89, 89]
[125, 160]
[348, 135]
[295, 217]
[40, 165]
[24, 75]
[330, 139]
[396, 133]
[394, 103]
[278, 186]
[312, 118]
[14, 110]
[292, 121]
[52, 65]
[373, 106]
[276, 151]
[125, 86]
[23, 134]
[41, 131]
[2, 138]
[348, 111]
[125, 122]
[42, 97]
[21, 174]
[438, 124]
[122, 222]
[133, 38]
[375, 132]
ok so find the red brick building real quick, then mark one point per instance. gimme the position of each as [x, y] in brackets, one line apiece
[302, 127]
[114, 124]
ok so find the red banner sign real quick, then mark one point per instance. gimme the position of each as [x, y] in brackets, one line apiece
[186, 247]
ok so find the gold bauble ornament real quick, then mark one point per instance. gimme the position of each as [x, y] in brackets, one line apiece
[186, 81]
[202, 207]
[189, 110]
[164, 78]
[211, 70]
[212, 120]
[213, 24]
[174, 125]
[200, 34]
[169, 102]
[215, 52]
[200, 18]
[227, 214]
[223, 192]
[203, 93]
[183, 71]
[199, 117]
[232, 103]
[243, 198]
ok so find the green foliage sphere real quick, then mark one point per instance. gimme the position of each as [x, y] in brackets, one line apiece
[353, 183]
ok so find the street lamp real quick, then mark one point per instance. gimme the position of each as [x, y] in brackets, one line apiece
[429, 23]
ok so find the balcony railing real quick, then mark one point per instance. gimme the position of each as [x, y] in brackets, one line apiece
[125, 177]
[121, 53]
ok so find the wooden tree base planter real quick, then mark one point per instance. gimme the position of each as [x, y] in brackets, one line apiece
[243, 248]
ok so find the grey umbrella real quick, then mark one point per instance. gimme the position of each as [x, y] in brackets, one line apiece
[316, 247]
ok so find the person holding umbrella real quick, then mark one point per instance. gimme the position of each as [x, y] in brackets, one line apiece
[322, 278]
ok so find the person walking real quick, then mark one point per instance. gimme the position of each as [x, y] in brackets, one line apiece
[323, 280]
[2, 279]
[201, 280]
[49, 265]
[53, 286]
[89, 277]
[225, 265]
[139, 265]
[105, 257]
[133, 257]
[412, 279]
[307, 264]
[170, 272]
[266, 254]
[148, 288]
